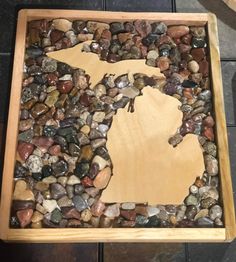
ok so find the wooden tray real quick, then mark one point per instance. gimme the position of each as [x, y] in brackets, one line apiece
[118, 234]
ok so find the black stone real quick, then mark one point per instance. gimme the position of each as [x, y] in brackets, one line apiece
[159, 28]
[198, 43]
[154, 221]
[37, 176]
[117, 27]
[79, 189]
[49, 131]
[64, 69]
[60, 168]
[81, 169]
[47, 171]
[22, 204]
[62, 142]
[150, 39]
[189, 84]
[34, 51]
[20, 171]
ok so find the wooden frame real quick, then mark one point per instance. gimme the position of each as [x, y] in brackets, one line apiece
[118, 234]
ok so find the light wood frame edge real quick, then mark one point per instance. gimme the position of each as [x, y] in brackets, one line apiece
[221, 130]
[85, 235]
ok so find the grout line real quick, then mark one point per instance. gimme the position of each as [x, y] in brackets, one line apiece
[228, 59]
[230, 125]
[100, 252]
[186, 252]
[173, 4]
[104, 2]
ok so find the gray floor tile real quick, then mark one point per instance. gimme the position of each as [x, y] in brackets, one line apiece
[232, 153]
[145, 252]
[139, 5]
[226, 21]
[229, 85]
[5, 69]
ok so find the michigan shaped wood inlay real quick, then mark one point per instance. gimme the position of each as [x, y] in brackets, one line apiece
[146, 168]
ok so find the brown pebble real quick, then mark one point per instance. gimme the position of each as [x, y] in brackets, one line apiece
[177, 31]
[102, 178]
[163, 63]
[198, 54]
[204, 68]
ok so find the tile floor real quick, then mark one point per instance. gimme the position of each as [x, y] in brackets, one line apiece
[124, 252]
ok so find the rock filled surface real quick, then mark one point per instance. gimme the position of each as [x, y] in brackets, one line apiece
[62, 163]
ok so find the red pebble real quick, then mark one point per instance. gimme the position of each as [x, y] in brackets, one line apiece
[24, 216]
[55, 150]
[208, 121]
[25, 150]
[208, 133]
[64, 87]
[128, 214]
[87, 182]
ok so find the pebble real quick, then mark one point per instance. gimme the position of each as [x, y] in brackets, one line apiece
[210, 148]
[41, 186]
[193, 189]
[73, 180]
[130, 92]
[26, 136]
[177, 31]
[64, 202]
[159, 28]
[38, 109]
[25, 150]
[57, 191]
[49, 180]
[49, 205]
[56, 216]
[193, 66]
[191, 200]
[201, 213]
[98, 208]
[205, 222]
[60, 168]
[128, 205]
[37, 216]
[24, 217]
[163, 63]
[208, 202]
[152, 211]
[112, 211]
[80, 203]
[102, 178]
[215, 212]
[52, 98]
[153, 54]
[86, 215]
[61, 24]
[176, 139]
[93, 26]
[191, 211]
[211, 164]
[98, 116]
[102, 163]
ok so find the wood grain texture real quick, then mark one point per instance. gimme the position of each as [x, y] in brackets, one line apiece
[70, 235]
[169, 19]
[12, 126]
[149, 169]
[221, 131]
[111, 234]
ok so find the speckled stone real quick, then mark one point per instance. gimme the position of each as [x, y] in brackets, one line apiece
[49, 205]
